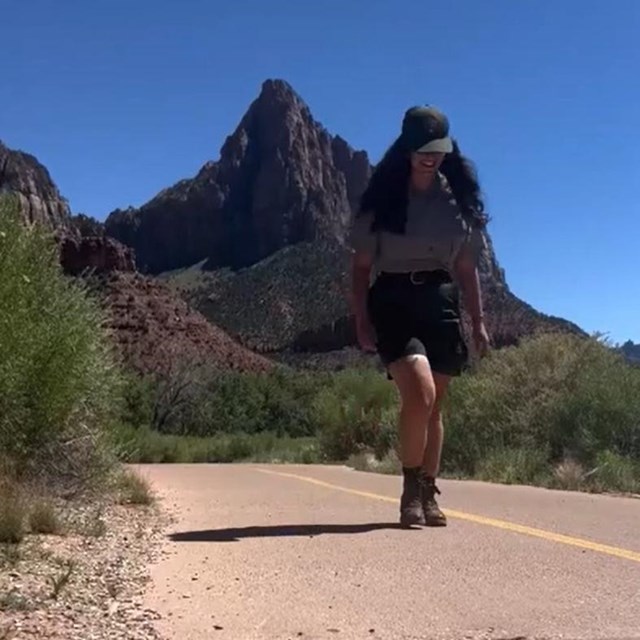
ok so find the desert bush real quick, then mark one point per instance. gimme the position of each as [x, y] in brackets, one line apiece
[560, 396]
[194, 400]
[58, 384]
[357, 411]
[557, 410]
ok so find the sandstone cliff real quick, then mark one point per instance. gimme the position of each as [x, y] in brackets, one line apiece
[281, 179]
[22, 175]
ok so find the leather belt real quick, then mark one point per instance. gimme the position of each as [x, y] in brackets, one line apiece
[438, 276]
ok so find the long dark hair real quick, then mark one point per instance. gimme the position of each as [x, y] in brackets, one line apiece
[387, 197]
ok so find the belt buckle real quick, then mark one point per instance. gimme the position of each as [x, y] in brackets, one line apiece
[413, 280]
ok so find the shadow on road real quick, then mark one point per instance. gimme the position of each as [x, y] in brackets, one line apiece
[278, 531]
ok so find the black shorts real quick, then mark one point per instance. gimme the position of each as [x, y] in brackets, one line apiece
[418, 314]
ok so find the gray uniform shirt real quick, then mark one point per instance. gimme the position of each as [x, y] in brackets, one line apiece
[435, 233]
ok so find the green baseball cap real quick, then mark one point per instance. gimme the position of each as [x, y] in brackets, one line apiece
[426, 130]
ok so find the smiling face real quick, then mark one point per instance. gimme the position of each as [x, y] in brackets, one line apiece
[424, 166]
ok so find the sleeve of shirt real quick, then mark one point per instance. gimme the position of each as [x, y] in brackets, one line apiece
[362, 239]
[477, 243]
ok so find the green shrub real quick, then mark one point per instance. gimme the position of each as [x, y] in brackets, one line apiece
[566, 396]
[557, 410]
[198, 401]
[136, 408]
[357, 411]
[57, 380]
[616, 473]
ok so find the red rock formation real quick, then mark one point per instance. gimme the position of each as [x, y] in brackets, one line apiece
[94, 254]
[22, 175]
[153, 328]
[281, 179]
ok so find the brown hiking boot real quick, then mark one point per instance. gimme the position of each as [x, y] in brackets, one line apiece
[433, 516]
[411, 512]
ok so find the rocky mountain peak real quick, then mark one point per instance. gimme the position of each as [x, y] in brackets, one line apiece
[281, 179]
[22, 175]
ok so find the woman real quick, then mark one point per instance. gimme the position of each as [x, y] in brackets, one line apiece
[419, 232]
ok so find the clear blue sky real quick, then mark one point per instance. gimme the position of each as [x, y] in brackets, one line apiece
[122, 98]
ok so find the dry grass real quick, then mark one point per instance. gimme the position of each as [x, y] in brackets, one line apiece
[12, 512]
[366, 461]
[43, 518]
[61, 579]
[133, 489]
[569, 475]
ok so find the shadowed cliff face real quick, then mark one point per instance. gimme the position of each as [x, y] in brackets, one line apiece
[281, 179]
[23, 176]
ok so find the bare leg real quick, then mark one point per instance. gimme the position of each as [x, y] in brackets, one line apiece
[415, 382]
[435, 429]
[413, 378]
[433, 515]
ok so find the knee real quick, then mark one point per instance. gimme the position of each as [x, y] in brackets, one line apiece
[421, 398]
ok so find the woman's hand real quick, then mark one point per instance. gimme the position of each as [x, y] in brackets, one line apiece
[481, 338]
[365, 334]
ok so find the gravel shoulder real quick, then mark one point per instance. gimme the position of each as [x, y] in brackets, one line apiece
[87, 584]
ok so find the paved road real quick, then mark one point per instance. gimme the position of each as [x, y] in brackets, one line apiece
[279, 552]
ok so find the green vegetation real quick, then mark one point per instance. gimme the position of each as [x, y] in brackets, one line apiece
[553, 400]
[133, 489]
[356, 411]
[58, 385]
[222, 295]
[557, 410]
[146, 446]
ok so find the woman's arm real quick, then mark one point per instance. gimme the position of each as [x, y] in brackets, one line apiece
[361, 265]
[466, 272]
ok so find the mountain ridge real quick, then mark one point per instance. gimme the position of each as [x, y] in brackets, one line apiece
[280, 179]
[267, 225]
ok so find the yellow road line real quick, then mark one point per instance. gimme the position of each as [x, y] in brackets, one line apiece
[581, 543]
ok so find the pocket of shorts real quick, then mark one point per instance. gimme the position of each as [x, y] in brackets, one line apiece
[455, 340]
[450, 292]
[449, 302]
[378, 297]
